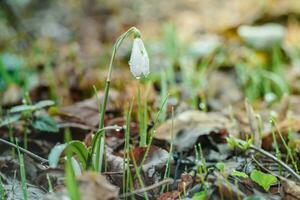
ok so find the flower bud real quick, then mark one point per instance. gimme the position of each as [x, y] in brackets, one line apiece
[139, 60]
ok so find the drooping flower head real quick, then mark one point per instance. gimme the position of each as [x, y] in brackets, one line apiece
[139, 60]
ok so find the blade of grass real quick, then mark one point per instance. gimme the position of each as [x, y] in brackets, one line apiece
[138, 174]
[143, 119]
[22, 172]
[168, 167]
[163, 94]
[127, 176]
[70, 180]
[277, 150]
[152, 134]
[49, 183]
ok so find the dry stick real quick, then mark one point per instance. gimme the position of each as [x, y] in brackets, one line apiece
[263, 167]
[145, 189]
[297, 176]
[34, 156]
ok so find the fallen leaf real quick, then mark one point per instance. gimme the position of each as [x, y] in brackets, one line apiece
[186, 180]
[169, 195]
[94, 186]
[263, 179]
[154, 163]
[291, 189]
[190, 125]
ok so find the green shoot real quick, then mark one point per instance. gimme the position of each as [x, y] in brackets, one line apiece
[200, 162]
[22, 172]
[49, 183]
[258, 82]
[52, 84]
[11, 137]
[163, 94]
[171, 42]
[291, 136]
[276, 65]
[168, 166]
[143, 119]
[277, 150]
[126, 164]
[289, 151]
[27, 101]
[138, 174]
[67, 135]
[233, 143]
[153, 131]
[70, 180]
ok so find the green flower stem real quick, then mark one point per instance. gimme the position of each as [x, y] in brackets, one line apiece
[99, 138]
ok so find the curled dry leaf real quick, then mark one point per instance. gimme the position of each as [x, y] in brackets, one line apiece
[94, 186]
[190, 125]
[83, 117]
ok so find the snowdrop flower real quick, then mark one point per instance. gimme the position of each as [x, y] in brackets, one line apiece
[139, 60]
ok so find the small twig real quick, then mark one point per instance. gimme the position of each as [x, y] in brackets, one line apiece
[34, 156]
[297, 176]
[263, 167]
[113, 173]
[145, 189]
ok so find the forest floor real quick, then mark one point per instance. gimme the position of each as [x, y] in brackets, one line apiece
[217, 117]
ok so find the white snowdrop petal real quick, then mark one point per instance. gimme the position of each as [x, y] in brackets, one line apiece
[139, 61]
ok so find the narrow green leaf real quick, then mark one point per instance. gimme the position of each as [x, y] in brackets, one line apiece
[76, 167]
[55, 154]
[239, 174]
[42, 104]
[74, 147]
[22, 173]
[21, 108]
[80, 150]
[71, 182]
